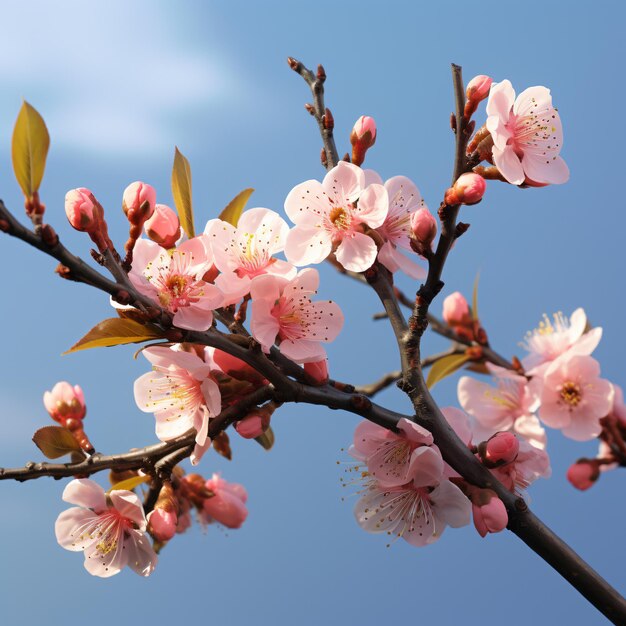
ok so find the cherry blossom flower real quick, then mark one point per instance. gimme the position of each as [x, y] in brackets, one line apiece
[396, 459]
[417, 514]
[65, 402]
[227, 505]
[181, 395]
[334, 214]
[509, 406]
[527, 135]
[174, 280]
[550, 340]
[109, 528]
[244, 252]
[404, 200]
[574, 397]
[282, 309]
[529, 464]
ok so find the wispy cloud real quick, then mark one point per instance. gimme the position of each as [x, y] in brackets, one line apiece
[108, 77]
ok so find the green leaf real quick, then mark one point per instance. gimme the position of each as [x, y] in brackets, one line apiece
[235, 207]
[444, 367]
[181, 190]
[55, 441]
[130, 483]
[29, 149]
[475, 298]
[115, 331]
[266, 439]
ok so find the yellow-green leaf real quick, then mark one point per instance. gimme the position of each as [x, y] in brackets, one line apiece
[181, 190]
[115, 331]
[475, 298]
[444, 367]
[235, 207]
[266, 439]
[29, 149]
[130, 483]
[55, 441]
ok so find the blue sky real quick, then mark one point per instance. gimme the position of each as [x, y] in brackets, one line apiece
[121, 83]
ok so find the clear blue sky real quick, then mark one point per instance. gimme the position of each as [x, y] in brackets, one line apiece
[121, 83]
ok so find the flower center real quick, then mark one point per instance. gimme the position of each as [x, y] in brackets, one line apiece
[571, 393]
[340, 218]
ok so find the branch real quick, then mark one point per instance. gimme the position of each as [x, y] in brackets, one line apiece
[321, 114]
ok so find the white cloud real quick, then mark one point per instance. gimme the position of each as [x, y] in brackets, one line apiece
[107, 76]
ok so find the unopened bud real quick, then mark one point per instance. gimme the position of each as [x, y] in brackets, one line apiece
[583, 474]
[139, 198]
[477, 90]
[163, 227]
[468, 189]
[163, 520]
[81, 210]
[318, 371]
[456, 309]
[424, 228]
[250, 426]
[65, 402]
[500, 449]
[362, 138]
[489, 513]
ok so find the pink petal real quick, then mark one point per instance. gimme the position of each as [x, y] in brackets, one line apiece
[452, 506]
[413, 432]
[356, 253]
[344, 183]
[129, 505]
[141, 556]
[531, 100]
[212, 396]
[85, 492]
[373, 206]
[482, 401]
[372, 178]
[73, 528]
[543, 169]
[302, 351]
[460, 423]
[501, 99]
[394, 260]
[426, 467]
[109, 564]
[307, 244]
[192, 318]
[509, 164]
[263, 324]
[306, 203]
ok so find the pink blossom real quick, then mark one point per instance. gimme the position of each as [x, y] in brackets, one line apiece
[508, 406]
[163, 227]
[550, 340]
[364, 130]
[282, 310]
[418, 514]
[174, 280]
[228, 504]
[574, 397]
[251, 426]
[110, 529]
[162, 524]
[527, 135]
[530, 463]
[489, 512]
[456, 309]
[181, 395]
[501, 448]
[469, 188]
[478, 88]
[424, 228]
[334, 215]
[65, 402]
[246, 251]
[396, 459]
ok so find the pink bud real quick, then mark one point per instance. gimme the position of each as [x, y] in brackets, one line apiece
[478, 88]
[163, 227]
[469, 188]
[227, 505]
[140, 198]
[362, 138]
[80, 210]
[162, 524]
[583, 474]
[490, 517]
[501, 448]
[455, 309]
[364, 132]
[318, 371]
[250, 426]
[424, 227]
[65, 402]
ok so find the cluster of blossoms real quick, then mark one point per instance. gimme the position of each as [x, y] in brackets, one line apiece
[558, 384]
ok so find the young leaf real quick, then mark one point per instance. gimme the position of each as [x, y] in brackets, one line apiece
[130, 483]
[181, 190]
[475, 298]
[266, 439]
[29, 149]
[115, 331]
[235, 207]
[444, 367]
[55, 441]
